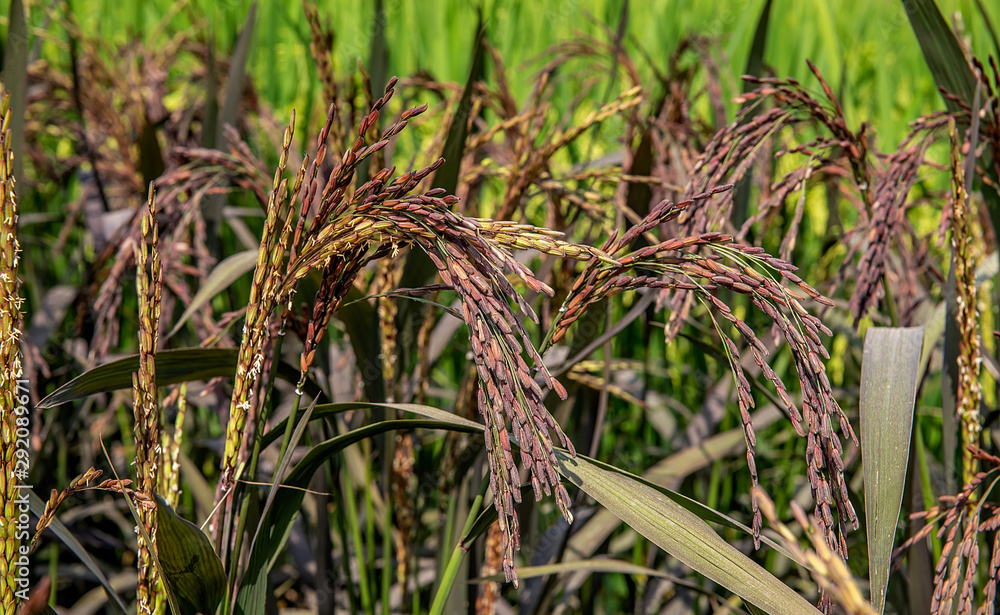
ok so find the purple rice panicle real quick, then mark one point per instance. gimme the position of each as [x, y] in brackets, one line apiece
[676, 264]
[56, 498]
[338, 228]
[963, 518]
[884, 190]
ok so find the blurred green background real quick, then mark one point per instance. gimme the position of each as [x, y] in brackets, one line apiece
[866, 50]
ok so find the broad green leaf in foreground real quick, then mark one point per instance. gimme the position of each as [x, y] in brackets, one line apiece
[188, 563]
[604, 564]
[596, 530]
[587, 539]
[889, 376]
[279, 519]
[595, 565]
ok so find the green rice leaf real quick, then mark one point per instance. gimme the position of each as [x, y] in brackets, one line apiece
[418, 269]
[188, 562]
[172, 367]
[236, 75]
[228, 116]
[222, 277]
[601, 565]
[358, 316]
[210, 128]
[681, 533]
[755, 67]
[889, 377]
[667, 523]
[278, 521]
[952, 73]
[941, 51]
[150, 155]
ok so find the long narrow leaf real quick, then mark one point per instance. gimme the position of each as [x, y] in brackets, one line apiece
[221, 277]
[667, 523]
[151, 162]
[681, 533]
[889, 376]
[211, 113]
[755, 67]
[951, 72]
[418, 269]
[227, 117]
[597, 565]
[941, 51]
[599, 527]
[378, 68]
[172, 367]
[256, 586]
[236, 76]
[358, 317]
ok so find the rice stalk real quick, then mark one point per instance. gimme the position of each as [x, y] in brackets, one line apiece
[969, 389]
[148, 449]
[13, 394]
[171, 445]
[260, 306]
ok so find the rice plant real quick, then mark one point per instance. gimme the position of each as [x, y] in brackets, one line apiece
[559, 337]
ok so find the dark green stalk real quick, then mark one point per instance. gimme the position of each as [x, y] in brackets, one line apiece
[387, 566]
[341, 525]
[370, 486]
[447, 533]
